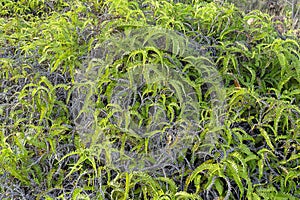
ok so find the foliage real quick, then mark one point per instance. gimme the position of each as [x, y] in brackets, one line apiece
[47, 45]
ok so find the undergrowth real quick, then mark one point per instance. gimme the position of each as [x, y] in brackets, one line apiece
[87, 114]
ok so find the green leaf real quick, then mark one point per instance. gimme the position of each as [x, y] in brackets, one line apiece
[260, 164]
[266, 137]
[219, 187]
[212, 168]
[291, 175]
[235, 173]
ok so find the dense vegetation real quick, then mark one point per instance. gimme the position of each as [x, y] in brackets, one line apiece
[148, 99]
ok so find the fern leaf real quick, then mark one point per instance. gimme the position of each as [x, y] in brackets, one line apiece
[212, 168]
[266, 137]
